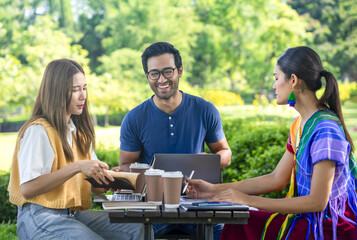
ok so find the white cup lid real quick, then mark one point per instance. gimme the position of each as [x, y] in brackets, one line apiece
[154, 172]
[176, 174]
[139, 165]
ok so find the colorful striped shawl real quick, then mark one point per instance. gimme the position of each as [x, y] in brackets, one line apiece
[322, 138]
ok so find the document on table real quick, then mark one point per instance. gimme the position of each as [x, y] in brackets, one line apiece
[185, 202]
[128, 205]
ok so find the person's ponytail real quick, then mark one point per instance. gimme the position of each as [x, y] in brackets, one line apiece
[331, 99]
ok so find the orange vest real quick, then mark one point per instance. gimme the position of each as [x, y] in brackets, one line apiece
[75, 193]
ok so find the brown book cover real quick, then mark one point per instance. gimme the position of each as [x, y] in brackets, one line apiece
[122, 180]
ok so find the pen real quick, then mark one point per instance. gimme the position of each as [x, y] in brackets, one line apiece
[143, 192]
[184, 189]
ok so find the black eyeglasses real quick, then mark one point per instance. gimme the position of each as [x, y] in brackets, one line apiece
[155, 74]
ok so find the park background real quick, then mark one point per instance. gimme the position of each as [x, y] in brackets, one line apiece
[229, 50]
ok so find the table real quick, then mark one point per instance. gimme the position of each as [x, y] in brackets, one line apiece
[174, 216]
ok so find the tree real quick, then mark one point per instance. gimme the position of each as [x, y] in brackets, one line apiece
[121, 30]
[135, 24]
[122, 83]
[240, 41]
[334, 29]
[23, 61]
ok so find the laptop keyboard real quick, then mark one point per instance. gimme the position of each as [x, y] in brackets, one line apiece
[126, 198]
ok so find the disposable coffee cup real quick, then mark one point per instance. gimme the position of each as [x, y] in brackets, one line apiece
[139, 168]
[154, 185]
[172, 188]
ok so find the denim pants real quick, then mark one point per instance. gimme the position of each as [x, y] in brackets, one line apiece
[38, 222]
[161, 229]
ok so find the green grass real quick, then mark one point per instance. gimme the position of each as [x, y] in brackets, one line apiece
[349, 111]
[251, 111]
[109, 137]
[7, 145]
[350, 115]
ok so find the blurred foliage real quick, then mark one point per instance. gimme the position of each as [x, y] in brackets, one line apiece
[347, 90]
[240, 41]
[354, 94]
[24, 57]
[226, 45]
[8, 231]
[333, 25]
[108, 154]
[8, 210]
[260, 100]
[222, 98]
[256, 148]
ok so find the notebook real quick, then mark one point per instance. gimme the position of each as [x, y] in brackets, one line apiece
[206, 166]
[128, 205]
[233, 207]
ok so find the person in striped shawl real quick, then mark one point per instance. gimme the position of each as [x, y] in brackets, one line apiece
[318, 163]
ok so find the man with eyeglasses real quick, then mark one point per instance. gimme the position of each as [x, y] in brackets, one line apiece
[171, 121]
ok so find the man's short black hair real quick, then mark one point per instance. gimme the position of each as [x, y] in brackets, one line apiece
[157, 49]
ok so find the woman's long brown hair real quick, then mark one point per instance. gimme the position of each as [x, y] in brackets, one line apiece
[53, 99]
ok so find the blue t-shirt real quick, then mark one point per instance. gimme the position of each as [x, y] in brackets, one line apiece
[148, 129]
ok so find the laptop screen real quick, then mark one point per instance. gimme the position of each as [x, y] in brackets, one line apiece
[206, 166]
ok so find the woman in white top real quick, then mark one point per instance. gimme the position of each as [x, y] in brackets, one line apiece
[53, 156]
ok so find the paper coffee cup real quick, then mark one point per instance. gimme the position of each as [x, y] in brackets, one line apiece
[172, 188]
[139, 168]
[154, 185]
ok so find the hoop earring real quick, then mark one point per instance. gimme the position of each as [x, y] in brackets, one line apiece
[291, 99]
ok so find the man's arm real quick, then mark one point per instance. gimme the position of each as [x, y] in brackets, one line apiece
[127, 158]
[222, 148]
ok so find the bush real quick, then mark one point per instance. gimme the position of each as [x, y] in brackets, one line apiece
[11, 126]
[256, 149]
[109, 155]
[114, 119]
[7, 209]
[223, 98]
[8, 231]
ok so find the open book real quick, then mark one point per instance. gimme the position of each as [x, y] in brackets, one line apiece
[122, 180]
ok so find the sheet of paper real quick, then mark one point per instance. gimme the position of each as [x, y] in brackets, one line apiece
[184, 200]
[128, 205]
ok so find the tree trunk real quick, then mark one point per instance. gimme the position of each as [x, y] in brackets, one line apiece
[94, 119]
[106, 118]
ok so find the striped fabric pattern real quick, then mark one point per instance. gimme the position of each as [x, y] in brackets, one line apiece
[326, 142]
[322, 139]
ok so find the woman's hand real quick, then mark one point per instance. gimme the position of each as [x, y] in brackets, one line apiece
[115, 169]
[102, 190]
[231, 195]
[96, 170]
[198, 188]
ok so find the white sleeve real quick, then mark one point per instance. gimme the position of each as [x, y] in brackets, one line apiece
[92, 154]
[36, 154]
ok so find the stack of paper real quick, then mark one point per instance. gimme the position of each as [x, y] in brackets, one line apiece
[128, 205]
